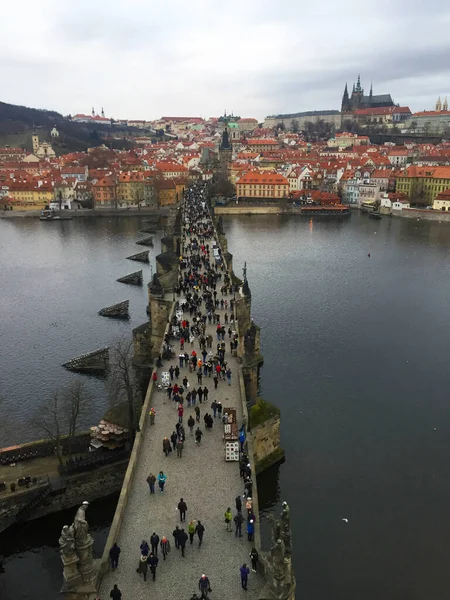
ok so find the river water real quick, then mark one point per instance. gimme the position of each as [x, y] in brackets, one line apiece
[355, 356]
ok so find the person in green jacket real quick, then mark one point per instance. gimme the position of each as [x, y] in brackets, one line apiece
[191, 531]
[228, 518]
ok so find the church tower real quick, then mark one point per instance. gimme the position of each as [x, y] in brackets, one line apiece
[35, 142]
[438, 105]
[225, 149]
[93, 112]
[445, 105]
[345, 106]
[103, 113]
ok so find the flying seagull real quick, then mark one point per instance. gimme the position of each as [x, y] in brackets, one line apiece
[346, 520]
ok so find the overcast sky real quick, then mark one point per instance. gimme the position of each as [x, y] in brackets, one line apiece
[152, 58]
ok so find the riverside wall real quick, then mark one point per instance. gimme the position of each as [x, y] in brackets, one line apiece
[87, 212]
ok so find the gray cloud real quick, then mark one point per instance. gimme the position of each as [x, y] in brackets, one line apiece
[143, 59]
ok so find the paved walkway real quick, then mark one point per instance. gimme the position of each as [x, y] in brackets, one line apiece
[208, 485]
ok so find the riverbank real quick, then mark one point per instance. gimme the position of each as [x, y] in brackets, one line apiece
[280, 209]
[87, 212]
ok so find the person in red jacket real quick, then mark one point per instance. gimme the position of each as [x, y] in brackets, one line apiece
[180, 413]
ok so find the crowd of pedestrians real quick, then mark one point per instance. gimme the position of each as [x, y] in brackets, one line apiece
[207, 298]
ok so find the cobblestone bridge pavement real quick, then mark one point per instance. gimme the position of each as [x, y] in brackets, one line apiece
[208, 485]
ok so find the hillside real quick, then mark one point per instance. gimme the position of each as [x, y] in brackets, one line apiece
[17, 123]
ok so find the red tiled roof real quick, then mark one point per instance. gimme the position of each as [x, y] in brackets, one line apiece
[256, 177]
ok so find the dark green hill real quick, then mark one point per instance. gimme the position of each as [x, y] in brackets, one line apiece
[17, 123]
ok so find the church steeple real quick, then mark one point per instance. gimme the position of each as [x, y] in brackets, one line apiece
[371, 89]
[358, 83]
[103, 113]
[93, 112]
[445, 105]
[439, 105]
[345, 106]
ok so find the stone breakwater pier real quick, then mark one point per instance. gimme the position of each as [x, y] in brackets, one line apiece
[202, 476]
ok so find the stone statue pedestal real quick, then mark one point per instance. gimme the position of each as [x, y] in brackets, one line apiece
[72, 577]
[86, 566]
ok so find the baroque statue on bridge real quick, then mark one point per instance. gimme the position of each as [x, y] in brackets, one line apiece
[76, 553]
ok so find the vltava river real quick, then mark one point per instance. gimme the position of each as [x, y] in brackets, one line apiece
[356, 356]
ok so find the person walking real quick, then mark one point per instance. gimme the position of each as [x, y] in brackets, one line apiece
[183, 538]
[180, 446]
[169, 391]
[165, 546]
[228, 518]
[197, 414]
[219, 409]
[238, 520]
[214, 407]
[166, 446]
[151, 480]
[204, 586]
[176, 536]
[144, 548]
[143, 566]
[200, 530]
[198, 435]
[182, 507]
[200, 394]
[228, 373]
[244, 576]
[254, 558]
[180, 413]
[191, 531]
[238, 504]
[205, 393]
[191, 423]
[161, 481]
[153, 563]
[250, 530]
[114, 554]
[173, 439]
[152, 414]
[115, 593]
[216, 381]
[154, 541]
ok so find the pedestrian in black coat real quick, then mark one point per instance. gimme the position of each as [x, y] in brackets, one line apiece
[182, 507]
[176, 536]
[114, 554]
[154, 541]
[200, 530]
[152, 562]
[183, 538]
[173, 439]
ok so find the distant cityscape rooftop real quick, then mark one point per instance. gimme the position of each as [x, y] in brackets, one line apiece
[309, 113]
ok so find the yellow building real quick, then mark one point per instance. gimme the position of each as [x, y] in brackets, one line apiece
[130, 188]
[262, 185]
[423, 184]
[167, 192]
[30, 195]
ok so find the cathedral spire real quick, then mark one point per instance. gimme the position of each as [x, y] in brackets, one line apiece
[438, 105]
[445, 105]
[371, 89]
[93, 112]
[345, 106]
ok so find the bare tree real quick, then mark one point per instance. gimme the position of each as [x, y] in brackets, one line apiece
[122, 385]
[60, 413]
[76, 401]
[49, 421]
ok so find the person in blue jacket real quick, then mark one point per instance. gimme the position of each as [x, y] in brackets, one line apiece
[244, 576]
[250, 530]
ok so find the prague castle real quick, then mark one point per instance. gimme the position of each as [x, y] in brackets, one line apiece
[359, 100]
